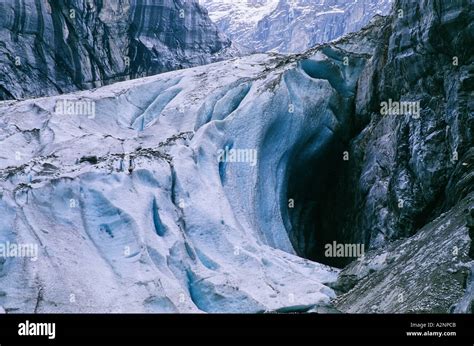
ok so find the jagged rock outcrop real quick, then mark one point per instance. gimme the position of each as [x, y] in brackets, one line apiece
[239, 19]
[404, 170]
[291, 26]
[404, 191]
[53, 47]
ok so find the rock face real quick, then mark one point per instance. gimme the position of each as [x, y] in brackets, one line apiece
[405, 169]
[408, 172]
[51, 47]
[427, 273]
[291, 26]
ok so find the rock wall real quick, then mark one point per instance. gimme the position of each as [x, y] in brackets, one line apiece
[134, 208]
[54, 47]
[430, 272]
[404, 170]
[406, 190]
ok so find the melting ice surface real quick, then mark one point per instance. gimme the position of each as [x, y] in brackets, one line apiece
[132, 209]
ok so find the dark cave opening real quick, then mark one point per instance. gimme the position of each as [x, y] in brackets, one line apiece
[319, 193]
[314, 212]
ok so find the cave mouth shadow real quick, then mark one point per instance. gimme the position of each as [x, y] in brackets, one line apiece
[310, 223]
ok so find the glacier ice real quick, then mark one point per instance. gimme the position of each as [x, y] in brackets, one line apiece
[155, 223]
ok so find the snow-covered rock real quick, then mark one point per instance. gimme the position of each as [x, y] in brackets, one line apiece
[195, 190]
[290, 26]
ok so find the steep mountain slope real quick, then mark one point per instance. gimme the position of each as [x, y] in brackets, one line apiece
[51, 47]
[291, 26]
[239, 18]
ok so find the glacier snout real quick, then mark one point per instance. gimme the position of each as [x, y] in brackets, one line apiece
[160, 220]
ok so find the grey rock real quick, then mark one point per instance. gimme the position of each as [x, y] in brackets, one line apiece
[427, 273]
[404, 171]
[54, 47]
[406, 191]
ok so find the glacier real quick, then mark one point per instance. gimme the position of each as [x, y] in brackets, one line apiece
[131, 208]
[213, 189]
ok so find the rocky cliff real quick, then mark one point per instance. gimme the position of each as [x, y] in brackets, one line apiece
[403, 170]
[53, 47]
[405, 190]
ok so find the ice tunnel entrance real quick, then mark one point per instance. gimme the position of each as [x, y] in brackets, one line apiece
[311, 178]
[311, 223]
